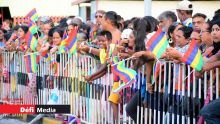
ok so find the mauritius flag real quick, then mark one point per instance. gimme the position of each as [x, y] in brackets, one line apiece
[32, 15]
[71, 42]
[31, 62]
[31, 41]
[32, 27]
[127, 75]
[158, 43]
[193, 56]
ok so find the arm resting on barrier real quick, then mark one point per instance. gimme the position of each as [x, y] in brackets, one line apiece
[210, 66]
[214, 58]
[101, 72]
[89, 49]
[145, 54]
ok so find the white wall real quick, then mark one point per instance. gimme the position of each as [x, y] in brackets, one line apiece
[44, 7]
[129, 9]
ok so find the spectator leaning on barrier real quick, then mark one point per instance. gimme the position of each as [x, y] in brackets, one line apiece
[172, 33]
[20, 42]
[57, 38]
[142, 27]
[210, 112]
[205, 35]
[182, 40]
[184, 11]
[166, 19]
[216, 36]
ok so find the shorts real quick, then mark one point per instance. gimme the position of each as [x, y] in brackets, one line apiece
[114, 97]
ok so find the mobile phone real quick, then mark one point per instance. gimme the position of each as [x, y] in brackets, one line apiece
[126, 47]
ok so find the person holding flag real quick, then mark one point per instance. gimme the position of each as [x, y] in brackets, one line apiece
[107, 51]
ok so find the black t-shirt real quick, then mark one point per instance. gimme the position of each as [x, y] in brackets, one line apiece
[216, 46]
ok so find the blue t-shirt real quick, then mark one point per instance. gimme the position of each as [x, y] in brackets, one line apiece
[2, 44]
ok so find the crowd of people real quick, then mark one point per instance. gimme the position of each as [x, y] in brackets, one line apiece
[112, 36]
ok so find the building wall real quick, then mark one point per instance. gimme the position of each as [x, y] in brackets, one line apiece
[129, 9]
[126, 9]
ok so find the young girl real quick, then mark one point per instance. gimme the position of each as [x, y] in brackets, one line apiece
[105, 38]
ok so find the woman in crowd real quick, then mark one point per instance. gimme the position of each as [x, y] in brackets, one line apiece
[20, 42]
[142, 27]
[57, 38]
[182, 44]
[172, 33]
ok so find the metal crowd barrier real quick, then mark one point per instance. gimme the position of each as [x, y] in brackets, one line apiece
[177, 98]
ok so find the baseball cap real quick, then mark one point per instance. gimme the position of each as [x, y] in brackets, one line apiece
[45, 19]
[125, 34]
[184, 5]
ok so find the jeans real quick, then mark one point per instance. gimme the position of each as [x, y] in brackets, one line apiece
[211, 112]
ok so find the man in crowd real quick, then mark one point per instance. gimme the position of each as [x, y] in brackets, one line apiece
[198, 20]
[166, 19]
[184, 12]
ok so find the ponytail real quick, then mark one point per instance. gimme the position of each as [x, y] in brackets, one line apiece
[114, 18]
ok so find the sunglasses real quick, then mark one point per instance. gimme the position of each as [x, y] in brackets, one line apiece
[100, 16]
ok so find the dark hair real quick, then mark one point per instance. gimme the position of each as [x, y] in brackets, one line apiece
[120, 25]
[141, 26]
[126, 23]
[3, 30]
[107, 34]
[63, 22]
[7, 36]
[50, 32]
[171, 30]
[168, 14]
[24, 28]
[217, 12]
[37, 34]
[49, 22]
[187, 31]
[87, 28]
[217, 15]
[199, 15]
[114, 18]
[59, 31]
[209, 26]
[16, 28]
[215, 22]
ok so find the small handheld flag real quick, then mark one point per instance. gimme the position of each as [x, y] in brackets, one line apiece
[32, 15]
[158, 43]
[193, 56]
[72, 40]
[31, 41]
[31, 62]
[32, 28]
[127, 75]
